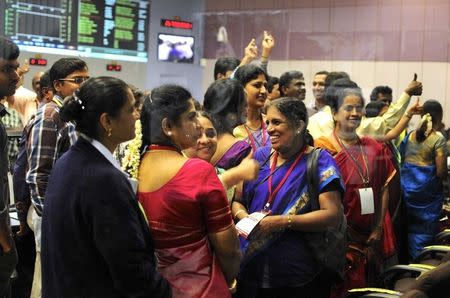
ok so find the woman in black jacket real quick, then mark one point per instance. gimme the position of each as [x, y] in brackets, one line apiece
[95, 240]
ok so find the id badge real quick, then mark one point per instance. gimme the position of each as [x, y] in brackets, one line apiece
[367, 203]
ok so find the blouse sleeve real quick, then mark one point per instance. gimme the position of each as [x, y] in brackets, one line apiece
[440, 147]
[328, 171]
[215, 207]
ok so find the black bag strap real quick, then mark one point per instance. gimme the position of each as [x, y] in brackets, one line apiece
[312, 178]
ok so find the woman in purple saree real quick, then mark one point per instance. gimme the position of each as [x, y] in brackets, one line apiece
[277, 259]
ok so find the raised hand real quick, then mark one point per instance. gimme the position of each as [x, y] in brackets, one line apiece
[414, 87]
[268, 43]
[251, 51]
[416, 108]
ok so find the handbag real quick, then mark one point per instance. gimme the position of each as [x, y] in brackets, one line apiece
[329, 246]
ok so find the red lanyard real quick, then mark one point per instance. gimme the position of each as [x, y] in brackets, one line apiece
[273, 194]
[252, 139]
[162, 147]
[365, 179]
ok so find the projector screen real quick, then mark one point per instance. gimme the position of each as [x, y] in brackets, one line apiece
[175, 48]
[107, 29]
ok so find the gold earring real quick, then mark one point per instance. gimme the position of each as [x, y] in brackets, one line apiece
[109, 132]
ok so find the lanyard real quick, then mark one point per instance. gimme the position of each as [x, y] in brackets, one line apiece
[272, 194]
[252, 139]
[365, 179]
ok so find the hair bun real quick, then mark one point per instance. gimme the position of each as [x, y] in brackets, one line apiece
[72, 109]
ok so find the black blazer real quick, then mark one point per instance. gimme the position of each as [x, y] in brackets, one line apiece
[95, 240]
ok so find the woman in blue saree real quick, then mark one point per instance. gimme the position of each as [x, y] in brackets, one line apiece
[424, 168]
[278, 261]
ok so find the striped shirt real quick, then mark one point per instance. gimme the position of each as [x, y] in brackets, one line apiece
[50, 138]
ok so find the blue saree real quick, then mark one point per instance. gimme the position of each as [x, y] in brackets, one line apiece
[282, 259]
[423, 196]
[422, 189]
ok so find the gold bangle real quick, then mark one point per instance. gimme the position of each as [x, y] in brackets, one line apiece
[239, 211]
[289, 221]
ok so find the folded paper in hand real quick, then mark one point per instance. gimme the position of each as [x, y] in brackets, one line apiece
[246, 225]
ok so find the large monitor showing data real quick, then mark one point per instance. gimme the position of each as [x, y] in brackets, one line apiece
[108, 29]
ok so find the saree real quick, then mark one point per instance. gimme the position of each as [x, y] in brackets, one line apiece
[180, 214]
[422, 190]
[255, 138]
[364, 263]
[234, 155]
[283, 258]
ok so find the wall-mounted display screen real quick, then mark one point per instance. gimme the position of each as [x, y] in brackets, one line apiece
[109, 29]
[175, 48]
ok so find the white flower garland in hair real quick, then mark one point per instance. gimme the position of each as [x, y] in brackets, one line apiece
[132, 158]
[428, 120]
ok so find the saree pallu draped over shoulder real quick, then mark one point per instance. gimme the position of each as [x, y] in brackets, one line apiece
[283, 258]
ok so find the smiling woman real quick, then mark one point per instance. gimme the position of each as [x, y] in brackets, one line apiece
[254, 80]
[185, 203]
[278, 262]
[367, 170]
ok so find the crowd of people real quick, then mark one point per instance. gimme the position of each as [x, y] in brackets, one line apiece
[132, 193]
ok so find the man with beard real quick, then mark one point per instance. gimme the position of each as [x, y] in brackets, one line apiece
[8, 80]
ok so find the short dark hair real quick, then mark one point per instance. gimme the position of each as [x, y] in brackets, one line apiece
[335, 75]
[64, 67]
[8, 49]
[95, 96]
[138, 95]
[287, 77]
[45, 80]
[225, 64]
[167, 101]
[272, 81]
[380, 89]
[225, 101]
[331, 92]
[248, 72]
[374, 108]
[322, 72]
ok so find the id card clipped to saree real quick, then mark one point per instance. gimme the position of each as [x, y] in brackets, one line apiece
[366, 200]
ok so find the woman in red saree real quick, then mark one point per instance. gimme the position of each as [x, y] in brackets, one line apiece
[185, 203]
[366, 169]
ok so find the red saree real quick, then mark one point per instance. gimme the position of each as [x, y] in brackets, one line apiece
[181, 214]
[365, 262]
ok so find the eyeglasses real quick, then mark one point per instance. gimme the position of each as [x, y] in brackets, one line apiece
[76, 80]
[349, 108]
